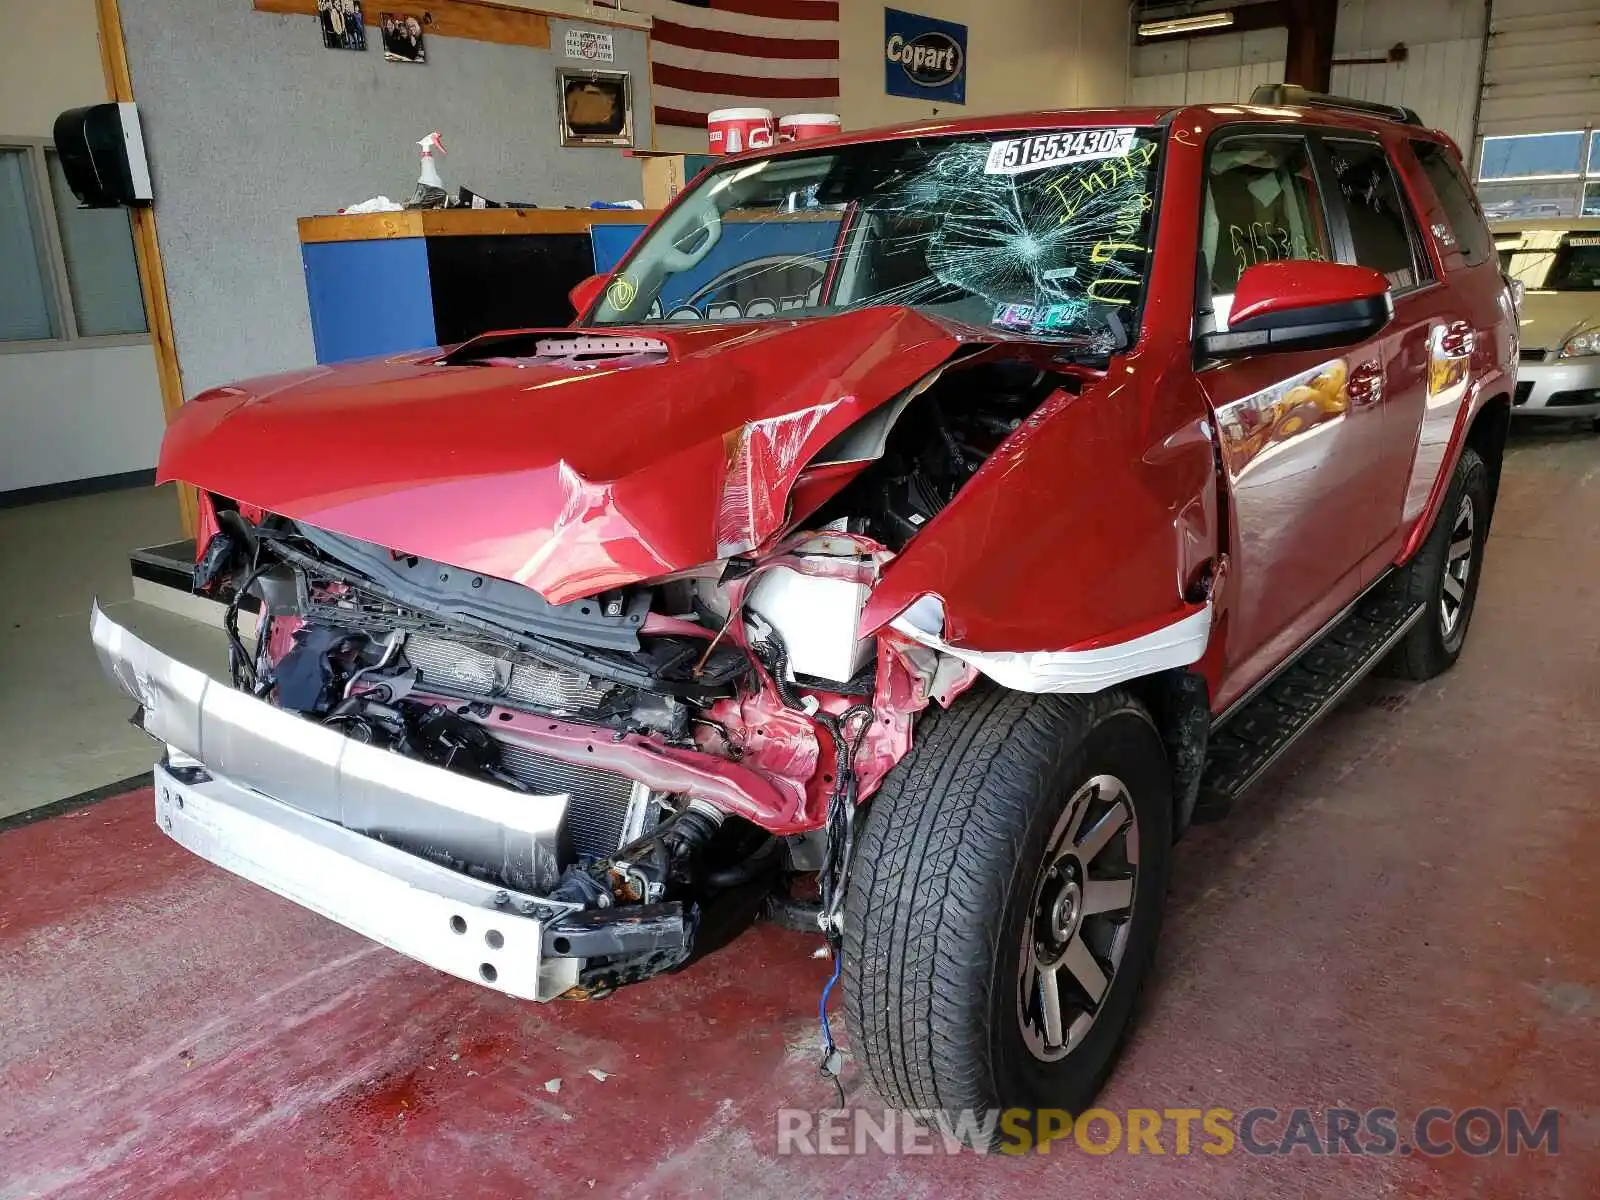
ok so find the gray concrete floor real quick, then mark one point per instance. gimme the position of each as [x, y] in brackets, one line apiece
[63, 728]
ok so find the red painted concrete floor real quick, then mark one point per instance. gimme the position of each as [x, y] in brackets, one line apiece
[1407, 915]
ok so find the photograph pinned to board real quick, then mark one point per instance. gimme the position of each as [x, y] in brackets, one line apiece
[402, 39]
[342, 25]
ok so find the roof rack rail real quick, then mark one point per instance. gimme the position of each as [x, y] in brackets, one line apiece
[1294, 94]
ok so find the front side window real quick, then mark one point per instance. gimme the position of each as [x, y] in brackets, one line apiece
[1380, 221]
[1262, 205]
[1046, 234]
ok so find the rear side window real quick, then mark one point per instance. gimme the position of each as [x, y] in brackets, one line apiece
[1262, 205]
[1381, 225]
[1461, 209]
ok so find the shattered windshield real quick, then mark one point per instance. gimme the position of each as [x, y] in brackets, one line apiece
[1046, 234]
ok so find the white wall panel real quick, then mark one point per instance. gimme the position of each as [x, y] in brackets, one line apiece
[1213, 70]
[77, 414]
[1438, 79]
[1368, 24]
[1443, 39]
[1542, 71]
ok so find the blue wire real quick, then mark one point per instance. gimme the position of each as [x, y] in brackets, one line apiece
[822, 1005]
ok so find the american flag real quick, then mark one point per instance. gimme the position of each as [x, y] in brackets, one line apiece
[711, 54]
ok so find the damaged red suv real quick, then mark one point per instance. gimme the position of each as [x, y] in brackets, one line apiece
[913, 535]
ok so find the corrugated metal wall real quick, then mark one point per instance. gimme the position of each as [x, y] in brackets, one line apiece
[1443, 38]
[1202, 70]
[1543, 68]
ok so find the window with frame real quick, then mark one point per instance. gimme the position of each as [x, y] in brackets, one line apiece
[1262, 205]
[70, 272]
[1555, 174]
[1381, 224]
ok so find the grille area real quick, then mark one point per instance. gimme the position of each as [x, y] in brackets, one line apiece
[598, 807]
[1528, 354]
[460, 668]
[1524, 390]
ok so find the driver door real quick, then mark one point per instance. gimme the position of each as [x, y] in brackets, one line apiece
[1300, 431]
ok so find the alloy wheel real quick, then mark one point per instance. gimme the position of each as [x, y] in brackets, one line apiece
[1077, 922]
[1457, 569]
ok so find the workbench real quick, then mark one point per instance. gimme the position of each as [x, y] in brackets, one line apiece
[378, 283]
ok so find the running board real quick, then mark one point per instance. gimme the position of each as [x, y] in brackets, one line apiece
[1254, 735]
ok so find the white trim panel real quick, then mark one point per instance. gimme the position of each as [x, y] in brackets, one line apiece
[1176, 645]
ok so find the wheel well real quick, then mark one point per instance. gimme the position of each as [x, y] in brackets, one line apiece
[1487, 436]
[1180, 703]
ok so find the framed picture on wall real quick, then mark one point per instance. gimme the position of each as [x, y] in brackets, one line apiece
[342, 25]
[595, 108]
[402, 39]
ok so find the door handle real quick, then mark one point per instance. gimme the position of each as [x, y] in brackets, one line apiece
[1457, 339]
[1366, 384]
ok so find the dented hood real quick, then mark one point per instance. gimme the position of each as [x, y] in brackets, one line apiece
[570, 475]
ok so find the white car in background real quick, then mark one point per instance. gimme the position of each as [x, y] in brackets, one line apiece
[1557, 262]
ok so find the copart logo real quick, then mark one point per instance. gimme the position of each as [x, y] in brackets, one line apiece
[929, 60]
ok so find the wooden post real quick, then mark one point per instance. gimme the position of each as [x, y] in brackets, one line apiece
[147, 248]
[1310, 51]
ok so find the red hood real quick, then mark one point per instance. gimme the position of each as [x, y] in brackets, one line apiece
[567, 478]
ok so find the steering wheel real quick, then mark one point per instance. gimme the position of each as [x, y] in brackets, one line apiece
[674, 259]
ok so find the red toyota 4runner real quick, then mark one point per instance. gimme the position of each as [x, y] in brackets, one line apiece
[913, 535]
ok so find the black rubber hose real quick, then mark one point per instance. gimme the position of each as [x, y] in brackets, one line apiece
[745, 871]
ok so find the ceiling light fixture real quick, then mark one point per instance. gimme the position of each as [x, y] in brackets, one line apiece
[1194, 24]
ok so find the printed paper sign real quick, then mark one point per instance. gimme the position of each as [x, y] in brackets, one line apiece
[590, 45]
[1014, 156]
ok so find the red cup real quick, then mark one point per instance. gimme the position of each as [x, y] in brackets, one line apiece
[803, 126]
[734, 130]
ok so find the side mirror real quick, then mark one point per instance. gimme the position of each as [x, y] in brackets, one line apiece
[1302, 305]
[586, 292]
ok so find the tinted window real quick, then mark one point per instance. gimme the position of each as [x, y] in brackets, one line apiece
[1577, 266]
[1545, 260]
[1262, 205]
[1455, 196]
[1380, 222]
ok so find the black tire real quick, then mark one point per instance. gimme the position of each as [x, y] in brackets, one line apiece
[944, 885]
[1434, 642]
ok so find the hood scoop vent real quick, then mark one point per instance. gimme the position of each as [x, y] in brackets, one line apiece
[532, 349]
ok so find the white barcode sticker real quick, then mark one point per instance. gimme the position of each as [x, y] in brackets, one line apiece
[1016, 155]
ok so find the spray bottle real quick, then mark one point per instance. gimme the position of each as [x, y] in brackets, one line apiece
[430, 188]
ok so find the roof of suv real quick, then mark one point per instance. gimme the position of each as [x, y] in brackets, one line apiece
[1067, 118]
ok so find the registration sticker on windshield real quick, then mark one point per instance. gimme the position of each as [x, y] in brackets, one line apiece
[1017, 155]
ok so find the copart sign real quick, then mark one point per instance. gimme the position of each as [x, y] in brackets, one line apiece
[924, 58]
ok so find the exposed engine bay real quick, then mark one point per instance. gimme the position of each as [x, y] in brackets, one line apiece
[714, 729]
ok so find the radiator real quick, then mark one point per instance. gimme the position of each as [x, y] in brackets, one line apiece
[598, 811]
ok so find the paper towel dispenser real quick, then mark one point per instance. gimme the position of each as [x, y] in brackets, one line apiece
[102, 155]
